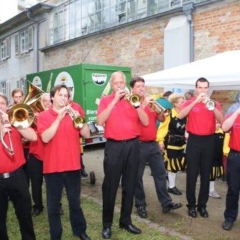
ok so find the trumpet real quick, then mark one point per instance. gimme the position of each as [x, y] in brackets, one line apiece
[133, 99]
[209, 103]
[158, 108]
[78, 121]
[10, 147]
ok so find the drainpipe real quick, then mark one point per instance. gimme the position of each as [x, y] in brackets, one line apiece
[29, 15]
[188, 8]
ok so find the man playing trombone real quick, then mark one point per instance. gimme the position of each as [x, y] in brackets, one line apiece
[150, 151]
[61, 163]
[13, 182]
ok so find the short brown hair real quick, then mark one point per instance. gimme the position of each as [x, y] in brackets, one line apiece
[136, 79]
[57, 88]
[16, 90]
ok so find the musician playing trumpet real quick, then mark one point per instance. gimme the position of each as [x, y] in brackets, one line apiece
[150, 151]
[61, 163]
[200, 147]
[13, 182]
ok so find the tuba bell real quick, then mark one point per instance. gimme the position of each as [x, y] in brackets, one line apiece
[23, 115]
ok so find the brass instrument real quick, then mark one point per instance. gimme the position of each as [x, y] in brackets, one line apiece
[158, 108]
[134, 99]
[78, 121]
[10, 147]
[22, 115]
[209, 103]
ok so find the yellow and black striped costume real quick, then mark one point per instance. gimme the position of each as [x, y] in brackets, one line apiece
[171, 133]
[217, 170]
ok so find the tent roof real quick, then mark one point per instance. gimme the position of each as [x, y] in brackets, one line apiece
[221, 70]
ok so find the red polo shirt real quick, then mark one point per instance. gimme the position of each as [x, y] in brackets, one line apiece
[9, 163]
[200, 121]
[234, 142]
[62, 152]
[148, 133]
[123, 122]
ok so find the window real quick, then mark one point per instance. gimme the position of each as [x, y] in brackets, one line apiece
[5, 49]
[5, 88]
[22, 84]
[26, 40]
[16, 36]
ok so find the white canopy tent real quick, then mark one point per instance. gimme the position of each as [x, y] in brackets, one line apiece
[221, 70]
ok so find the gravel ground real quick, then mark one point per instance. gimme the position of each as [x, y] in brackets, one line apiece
[176, 221]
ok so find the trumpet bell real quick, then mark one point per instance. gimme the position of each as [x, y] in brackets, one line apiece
[210, 105]
[78, 122]
[135, 99]
[21, 116]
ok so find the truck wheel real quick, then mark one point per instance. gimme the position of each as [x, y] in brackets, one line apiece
[92, 178]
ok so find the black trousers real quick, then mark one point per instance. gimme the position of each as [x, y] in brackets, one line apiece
[233, 181]
[199, 156]
[34, 171]
[120, 160]
[16, 189]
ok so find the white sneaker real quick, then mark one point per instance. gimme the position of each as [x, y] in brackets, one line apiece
[214, 194]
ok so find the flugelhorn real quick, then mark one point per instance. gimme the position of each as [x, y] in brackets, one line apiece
[158, 108]
[78, 121]
[10, 147]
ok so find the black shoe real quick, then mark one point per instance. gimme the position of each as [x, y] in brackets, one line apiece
[203, 212]
[142, 212]
[227, 225]
[84, 174]
[171, 206]
[174, 191]
[84, 236]
[106, 233]
[192, 212]
[130, 228]
[36, 212]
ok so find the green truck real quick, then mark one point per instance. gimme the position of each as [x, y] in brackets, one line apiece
[87, 83]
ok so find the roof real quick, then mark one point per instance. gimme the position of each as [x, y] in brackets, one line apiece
[221, 70]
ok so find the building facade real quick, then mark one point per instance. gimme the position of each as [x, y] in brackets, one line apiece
[145, 35]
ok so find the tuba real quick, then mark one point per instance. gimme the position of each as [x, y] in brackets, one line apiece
[23, 115]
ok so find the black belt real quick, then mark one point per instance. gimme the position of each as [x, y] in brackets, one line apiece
[10, 174]
[147, 141]
[234, 151]
[123, 141]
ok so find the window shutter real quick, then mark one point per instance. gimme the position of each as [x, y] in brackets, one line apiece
[8, 47]
[30, 38]
[16, 36]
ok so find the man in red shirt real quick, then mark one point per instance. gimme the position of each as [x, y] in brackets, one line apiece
[200, 146]
[13, 182]
[61, 165]
[150, 151]
[232, 124]
[121, 157]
